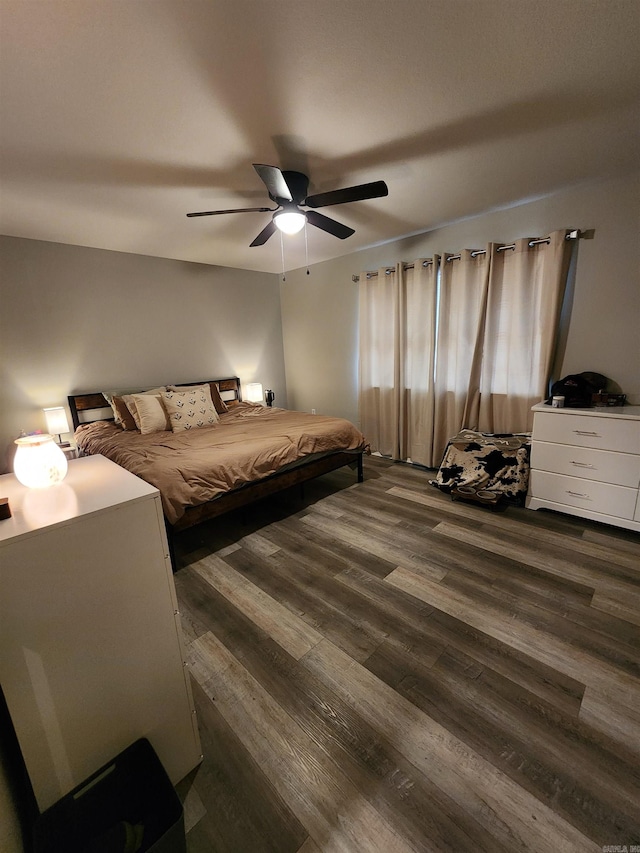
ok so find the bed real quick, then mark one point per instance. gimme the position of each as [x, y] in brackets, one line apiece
[249, 453]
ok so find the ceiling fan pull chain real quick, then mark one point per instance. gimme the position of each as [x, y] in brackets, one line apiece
[306, 247]
[284, 277]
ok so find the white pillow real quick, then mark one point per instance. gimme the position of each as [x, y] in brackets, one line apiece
[130, 403]
[190, 410]
[152, 415]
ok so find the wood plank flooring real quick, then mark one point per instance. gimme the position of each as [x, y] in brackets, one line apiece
[379, 669]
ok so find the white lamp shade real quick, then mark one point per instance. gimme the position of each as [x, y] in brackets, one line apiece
[254, 392]
[57, 422]
[39, 462]
[290, 222]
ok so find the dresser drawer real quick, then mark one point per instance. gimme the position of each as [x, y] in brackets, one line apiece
[587, 431]
[620, 469]
[618, 501]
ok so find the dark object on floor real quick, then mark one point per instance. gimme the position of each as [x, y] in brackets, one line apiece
[127, 806]
[484, 497]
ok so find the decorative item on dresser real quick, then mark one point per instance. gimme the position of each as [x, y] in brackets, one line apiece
[39, 462]
[586, 462]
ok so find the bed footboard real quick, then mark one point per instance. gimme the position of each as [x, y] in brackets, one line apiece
[269, 486]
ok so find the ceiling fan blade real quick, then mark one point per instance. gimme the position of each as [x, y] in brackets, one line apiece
[298, 185]
[329, 225]
[264, 235]
[274, 181]
[234, 210]
[376, 189]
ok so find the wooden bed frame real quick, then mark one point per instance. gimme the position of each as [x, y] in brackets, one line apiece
[86, 408]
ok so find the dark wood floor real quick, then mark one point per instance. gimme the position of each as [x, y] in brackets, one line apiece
[378, 668]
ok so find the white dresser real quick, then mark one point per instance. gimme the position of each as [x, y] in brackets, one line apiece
[91, 654]
[586, 462]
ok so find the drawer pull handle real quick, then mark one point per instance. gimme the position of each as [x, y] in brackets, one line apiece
[581, 464]
[576, 494]
[584, 432]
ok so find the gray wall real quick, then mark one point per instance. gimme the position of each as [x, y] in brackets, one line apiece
[320, 311]
[76, 319]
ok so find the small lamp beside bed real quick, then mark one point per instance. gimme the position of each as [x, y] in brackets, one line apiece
[57, 423]
[254, 393]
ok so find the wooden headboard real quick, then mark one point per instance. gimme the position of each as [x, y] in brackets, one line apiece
[92, 406]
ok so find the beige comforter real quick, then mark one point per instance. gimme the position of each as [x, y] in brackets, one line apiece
[195, 466]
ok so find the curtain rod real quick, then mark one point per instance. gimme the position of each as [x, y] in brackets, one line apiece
[572, 235]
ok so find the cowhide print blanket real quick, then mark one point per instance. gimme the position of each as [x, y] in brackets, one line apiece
[499, 463]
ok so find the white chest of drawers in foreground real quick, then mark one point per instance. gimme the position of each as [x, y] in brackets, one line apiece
[586, 462]
[91, 655]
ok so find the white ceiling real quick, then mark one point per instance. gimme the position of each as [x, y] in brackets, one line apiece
[117, 117]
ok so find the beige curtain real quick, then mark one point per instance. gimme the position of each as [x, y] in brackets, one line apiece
[379, 360]
[464, 283]
[476, 352]
[419, 294]
[396, 353]
[525, 294]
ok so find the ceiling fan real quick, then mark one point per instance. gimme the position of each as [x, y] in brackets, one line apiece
[289, 191]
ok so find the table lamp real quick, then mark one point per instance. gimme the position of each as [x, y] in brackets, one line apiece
[57, 423]
[254, 392]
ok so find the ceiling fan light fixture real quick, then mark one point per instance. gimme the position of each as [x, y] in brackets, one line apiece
[289, 190]
[289, 221]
